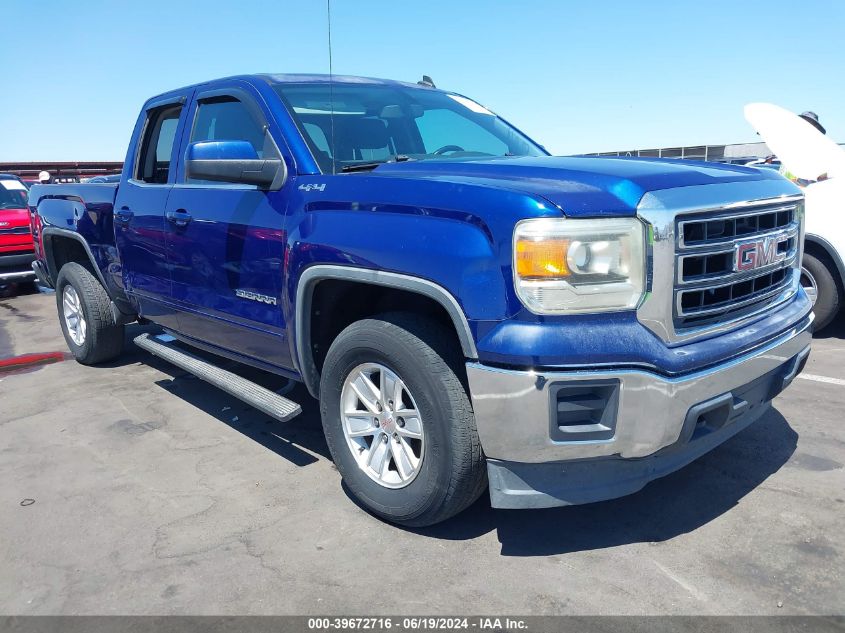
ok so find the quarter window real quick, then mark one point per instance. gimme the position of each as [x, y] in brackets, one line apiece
[157, 147]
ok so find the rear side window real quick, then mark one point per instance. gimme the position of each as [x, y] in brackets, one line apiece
[157, 147]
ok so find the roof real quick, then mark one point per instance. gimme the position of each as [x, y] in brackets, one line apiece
[339, 79]
[281, 78]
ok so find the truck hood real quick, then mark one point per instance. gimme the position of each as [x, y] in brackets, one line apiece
[579, 185]
[805, 151]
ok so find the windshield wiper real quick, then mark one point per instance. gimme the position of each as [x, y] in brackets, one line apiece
[398, 158]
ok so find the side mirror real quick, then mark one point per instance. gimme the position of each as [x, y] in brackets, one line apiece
[233, 162]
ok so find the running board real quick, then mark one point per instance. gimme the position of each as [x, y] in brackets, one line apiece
[262, 399]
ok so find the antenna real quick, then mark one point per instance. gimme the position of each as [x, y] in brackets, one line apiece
[331, 82]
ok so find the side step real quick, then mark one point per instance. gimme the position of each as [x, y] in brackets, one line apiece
[262, 399]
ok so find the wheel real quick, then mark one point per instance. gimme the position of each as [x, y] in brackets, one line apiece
[821, 286]
[398, 421]
[86, 317]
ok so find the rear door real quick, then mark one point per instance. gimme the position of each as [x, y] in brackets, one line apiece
[226, 242]
[140, 206]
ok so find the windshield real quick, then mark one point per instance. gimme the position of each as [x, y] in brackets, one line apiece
[12, 194]
[375, 123]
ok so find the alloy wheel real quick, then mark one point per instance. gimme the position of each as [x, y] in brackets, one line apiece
[382, 425]
[77, 328]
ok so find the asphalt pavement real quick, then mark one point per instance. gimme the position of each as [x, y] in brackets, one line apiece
[134, 488]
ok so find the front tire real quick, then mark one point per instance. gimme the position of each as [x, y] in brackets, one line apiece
[820, 284]
[398, 421]
[88, 324]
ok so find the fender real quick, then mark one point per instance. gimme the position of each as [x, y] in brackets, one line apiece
[316, 273]
[47, 232]
[830, 250]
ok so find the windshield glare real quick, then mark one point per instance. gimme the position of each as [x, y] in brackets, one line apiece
[374, 123]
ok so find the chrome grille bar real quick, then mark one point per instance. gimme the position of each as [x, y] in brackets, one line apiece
[728, 252]
[710, 287]
[673, 248]
[749, 225]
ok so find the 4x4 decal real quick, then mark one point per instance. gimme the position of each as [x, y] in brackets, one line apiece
[313, 187]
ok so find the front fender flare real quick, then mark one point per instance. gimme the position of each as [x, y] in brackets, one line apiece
[319, 272]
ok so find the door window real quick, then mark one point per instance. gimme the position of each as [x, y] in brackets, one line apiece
[228, 119]
[157, 145]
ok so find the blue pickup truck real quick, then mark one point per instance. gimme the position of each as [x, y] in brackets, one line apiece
[467, 308]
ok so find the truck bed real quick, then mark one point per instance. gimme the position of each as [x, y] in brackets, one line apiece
[83, 209]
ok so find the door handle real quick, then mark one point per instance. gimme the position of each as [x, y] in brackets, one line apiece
[123, 216]
[179, 218]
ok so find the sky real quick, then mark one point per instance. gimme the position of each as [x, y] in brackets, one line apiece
[577, 76]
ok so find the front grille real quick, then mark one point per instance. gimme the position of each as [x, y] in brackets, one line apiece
[705, 231]
[729, 264]
[17, 230]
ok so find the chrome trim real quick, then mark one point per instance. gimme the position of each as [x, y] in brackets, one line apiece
[706, 245]
[20, 274]
[734, 276]
[660, 209]
[512, 409]
[771, 291]
[314, 274]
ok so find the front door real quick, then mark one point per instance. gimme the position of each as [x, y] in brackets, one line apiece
[226, 241]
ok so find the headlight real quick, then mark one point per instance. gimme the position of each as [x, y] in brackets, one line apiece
[567, 266]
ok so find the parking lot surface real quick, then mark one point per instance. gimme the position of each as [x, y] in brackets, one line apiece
[135, 488]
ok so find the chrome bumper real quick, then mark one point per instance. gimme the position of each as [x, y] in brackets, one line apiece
[17, 275]
[513, 409]
[16, 267]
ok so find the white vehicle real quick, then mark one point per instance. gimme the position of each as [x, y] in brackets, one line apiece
[809, 154]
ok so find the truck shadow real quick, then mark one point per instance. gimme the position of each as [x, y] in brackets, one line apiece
[666, 508]
[835, 330]
[300, 441]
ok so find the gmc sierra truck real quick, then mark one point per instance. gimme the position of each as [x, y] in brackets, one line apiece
[466, 307]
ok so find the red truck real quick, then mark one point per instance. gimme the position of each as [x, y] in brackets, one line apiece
[16, 248]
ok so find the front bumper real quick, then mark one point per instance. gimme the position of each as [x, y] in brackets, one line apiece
[651, 424]
[16, 267]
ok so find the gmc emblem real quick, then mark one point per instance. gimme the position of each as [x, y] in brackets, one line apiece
[760, 253]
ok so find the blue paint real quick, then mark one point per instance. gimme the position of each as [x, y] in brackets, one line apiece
[444, 220]
[214, 150]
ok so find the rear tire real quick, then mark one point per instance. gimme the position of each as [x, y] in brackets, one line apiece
[828, 293]
[88, 324]
[445, 471]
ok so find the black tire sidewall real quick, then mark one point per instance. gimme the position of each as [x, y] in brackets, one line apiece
[426, 491]
[69, 277]
[828, 298]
